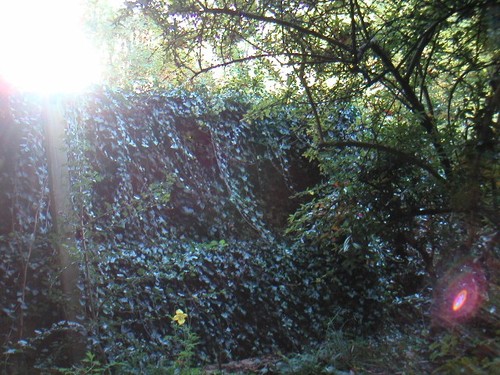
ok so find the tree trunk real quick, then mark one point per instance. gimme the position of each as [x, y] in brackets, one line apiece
[60, 204]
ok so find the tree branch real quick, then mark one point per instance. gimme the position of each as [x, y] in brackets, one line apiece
[286, 24]
[424, 40]
[312, 102]
[354, 41]
[320, 60]
[231, 62]
[415, 105]
[374, 146]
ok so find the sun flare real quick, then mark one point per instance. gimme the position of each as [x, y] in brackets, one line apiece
[459, 300]
[44, 48]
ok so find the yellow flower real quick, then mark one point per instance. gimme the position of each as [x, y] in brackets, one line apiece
[180, 317]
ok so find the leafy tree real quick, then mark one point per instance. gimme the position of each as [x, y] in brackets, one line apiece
[399, 100]
[131, 47]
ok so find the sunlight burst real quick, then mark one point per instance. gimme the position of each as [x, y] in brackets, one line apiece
[44, 48]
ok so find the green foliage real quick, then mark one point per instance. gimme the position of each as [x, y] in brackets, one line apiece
[89, 365]
[455, 352]
[186, 343]
[395, 351]
[158, 169]
[394, 100]
[181, 165]
[354, 261]
[243, 298]
[337, 354]
[199, 150]
[27, 270]
[61, 345]
[470, 365]
[178, 203]
[131, 47]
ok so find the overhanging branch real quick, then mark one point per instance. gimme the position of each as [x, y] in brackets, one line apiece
[415, 105]
[271, 20]
[374, 146]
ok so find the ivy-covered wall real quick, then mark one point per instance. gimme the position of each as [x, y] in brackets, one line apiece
[178, 202]
[181, 201]
[182, 164]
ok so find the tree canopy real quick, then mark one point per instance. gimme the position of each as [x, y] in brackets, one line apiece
[400, 100]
